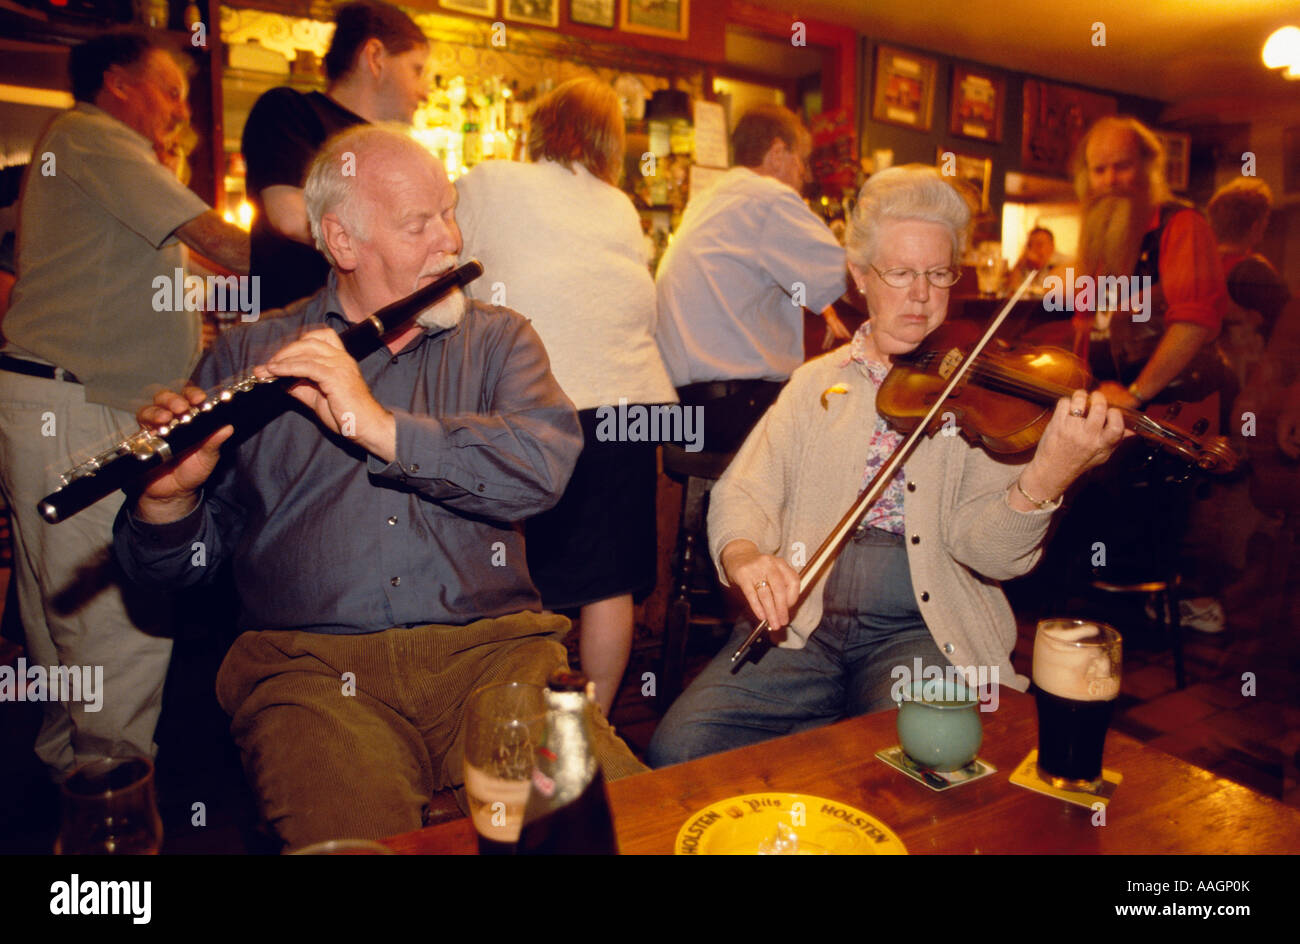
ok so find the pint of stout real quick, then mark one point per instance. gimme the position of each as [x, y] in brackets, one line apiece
[1076, 682]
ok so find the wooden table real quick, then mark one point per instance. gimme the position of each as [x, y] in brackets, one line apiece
[1163, 805]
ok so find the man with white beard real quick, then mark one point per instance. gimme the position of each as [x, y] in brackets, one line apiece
[373, 530]
[1155, 344]
[1133, 226]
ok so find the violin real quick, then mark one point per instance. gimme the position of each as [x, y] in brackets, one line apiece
[1006, 396]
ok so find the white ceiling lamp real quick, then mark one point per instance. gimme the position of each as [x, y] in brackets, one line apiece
[1282, 51]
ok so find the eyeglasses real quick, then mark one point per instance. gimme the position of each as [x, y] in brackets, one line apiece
[942, 277]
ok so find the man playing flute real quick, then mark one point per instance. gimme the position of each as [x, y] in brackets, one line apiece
[374, 529]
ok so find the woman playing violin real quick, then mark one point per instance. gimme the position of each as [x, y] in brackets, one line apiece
[919, 579]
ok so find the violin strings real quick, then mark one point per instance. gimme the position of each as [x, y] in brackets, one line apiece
[1014, 381]
[1004, 380]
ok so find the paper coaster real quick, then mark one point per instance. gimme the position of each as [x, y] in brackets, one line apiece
[936, 780]
[1026, 775]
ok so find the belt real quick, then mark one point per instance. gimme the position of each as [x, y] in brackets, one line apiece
[717, 389]
[32, 369]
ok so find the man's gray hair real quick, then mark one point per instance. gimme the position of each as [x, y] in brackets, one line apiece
[908, 192]
[331, 185]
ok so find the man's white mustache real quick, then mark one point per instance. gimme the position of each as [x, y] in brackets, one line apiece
[452, 262]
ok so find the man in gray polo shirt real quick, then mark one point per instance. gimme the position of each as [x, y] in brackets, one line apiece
[100, 220]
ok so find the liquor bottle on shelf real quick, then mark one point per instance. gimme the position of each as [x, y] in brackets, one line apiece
[472, 141]
[568, 809]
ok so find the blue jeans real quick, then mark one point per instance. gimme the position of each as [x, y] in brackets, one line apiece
[870, 624]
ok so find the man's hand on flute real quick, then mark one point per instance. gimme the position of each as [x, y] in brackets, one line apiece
[172, 493]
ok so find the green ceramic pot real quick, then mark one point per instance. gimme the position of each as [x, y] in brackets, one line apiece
[939, 724]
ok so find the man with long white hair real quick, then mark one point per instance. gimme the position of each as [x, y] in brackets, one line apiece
[1140, 345]
[374, 531]
[1149, 335]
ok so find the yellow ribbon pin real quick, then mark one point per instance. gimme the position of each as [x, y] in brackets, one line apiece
[835, 388]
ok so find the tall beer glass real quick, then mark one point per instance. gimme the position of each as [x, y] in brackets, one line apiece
[504, 728]
[1076, 682]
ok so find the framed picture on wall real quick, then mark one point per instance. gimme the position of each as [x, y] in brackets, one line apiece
[656, 17]
[978, 101]
[1178, 157]
[975, 172]
[593, 12]
[540, 12]
[1055, 119]
[904, 93]
[478, 7]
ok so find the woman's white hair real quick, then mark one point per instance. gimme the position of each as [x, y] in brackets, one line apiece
[331, 185]
[907, 192]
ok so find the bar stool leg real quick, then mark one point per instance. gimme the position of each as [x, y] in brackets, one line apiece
[1174, 628]
[678, 620]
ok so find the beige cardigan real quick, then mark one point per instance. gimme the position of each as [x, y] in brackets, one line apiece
[801, 469]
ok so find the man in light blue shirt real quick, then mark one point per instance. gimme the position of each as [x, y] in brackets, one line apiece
[748, 258]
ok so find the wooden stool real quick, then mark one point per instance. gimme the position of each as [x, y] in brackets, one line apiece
[691, 565]
[1164, 593]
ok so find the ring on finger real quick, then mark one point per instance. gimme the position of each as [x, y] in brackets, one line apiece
[1077, 412]
[760, 584]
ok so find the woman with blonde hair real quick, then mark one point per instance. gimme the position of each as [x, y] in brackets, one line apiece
[561, 244]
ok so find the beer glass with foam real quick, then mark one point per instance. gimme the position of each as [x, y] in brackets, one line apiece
[1076, 682]
[504, 728]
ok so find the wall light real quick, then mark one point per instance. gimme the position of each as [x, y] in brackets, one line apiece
[1282, 51]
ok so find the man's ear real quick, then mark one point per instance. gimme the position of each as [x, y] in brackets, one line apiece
[339, 242]
[774, 160]
[372, 56]
[115, 82]
[1258, 230]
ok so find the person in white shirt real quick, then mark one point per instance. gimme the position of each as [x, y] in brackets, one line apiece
[562, 245]
[748, 257]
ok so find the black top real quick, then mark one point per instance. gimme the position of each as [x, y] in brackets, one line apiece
[1255, 285]
[283, 133]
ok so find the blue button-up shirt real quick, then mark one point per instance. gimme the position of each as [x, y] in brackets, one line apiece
[327, 538]
[747, 259]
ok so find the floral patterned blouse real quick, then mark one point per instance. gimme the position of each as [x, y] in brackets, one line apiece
[887, 513]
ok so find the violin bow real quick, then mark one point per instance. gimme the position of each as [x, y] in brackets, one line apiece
[830, 547]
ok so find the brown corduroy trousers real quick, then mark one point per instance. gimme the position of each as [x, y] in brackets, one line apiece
[349, 736]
